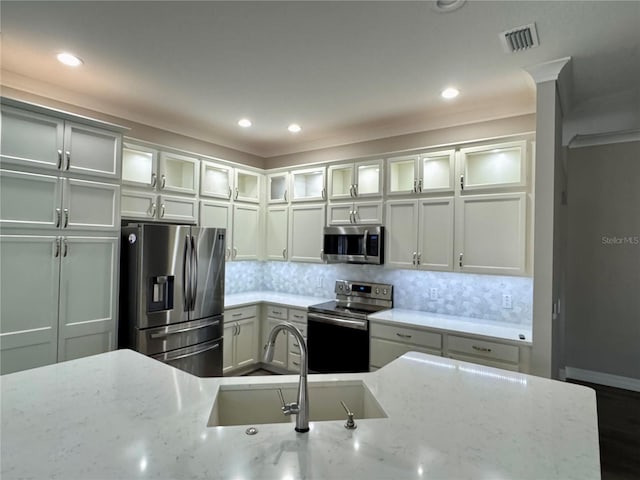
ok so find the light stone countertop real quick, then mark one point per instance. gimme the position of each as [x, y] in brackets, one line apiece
[284, 299]
[453, 324]
[121, 415]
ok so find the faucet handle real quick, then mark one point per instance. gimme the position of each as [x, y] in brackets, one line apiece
[350, 425]
[287, 408]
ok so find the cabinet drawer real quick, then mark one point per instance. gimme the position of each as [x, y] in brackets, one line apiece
[293, 344]
[297, 315]
[422, 338]
[485, 361]
[294, 362]
[276, 312]
[484, 349]
[385, 351]
[240, 313]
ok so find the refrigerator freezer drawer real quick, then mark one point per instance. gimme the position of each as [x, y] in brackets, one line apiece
[153, 341]
[202, 360]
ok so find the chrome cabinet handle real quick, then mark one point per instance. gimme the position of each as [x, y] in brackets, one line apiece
[228, 254]
[230, 192]
[163, 181]
[284, 253]
[355, 190]
[295, 363]
[58, 217]
[322, 254]
[460, 260]
[66, 247]
[239, 328]
[153, 210]
[154, 180]
[66, 218]
[236, 195]
[162, 210]
[415, 186]
[351, 216]
[276, 312]
[403, 335]
[235, 252]
[461, 182]
[420, 185]
[284, 196]
[298, 316]
[236, 314]
[57, 251]
[419, 259]
[68, 155]
[323, 193]
[351, 190]
[414, 257]
[481, 349]
[59, 159]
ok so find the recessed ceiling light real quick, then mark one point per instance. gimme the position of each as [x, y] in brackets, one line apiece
[450, 92]
[294, 128]
[444, 6]
[69, 59]
[244, 122]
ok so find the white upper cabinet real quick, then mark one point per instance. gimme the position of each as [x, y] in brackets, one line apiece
[247, 186]
[277, 223]
[493, 166]
[139, 166]
[216, 180]
[219, 215]
[431, 172]
[305, 233]
[356, 180]
[246, 220]
[90, 205]
[491, 234]
[308, 184]
[402, 232]
[178, 173]
[40, 141]
[354, 213]
[278, 187]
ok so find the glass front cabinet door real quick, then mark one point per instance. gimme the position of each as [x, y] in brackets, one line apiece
[139, 166]
[308, 184]
[493, 166]
[216, 180]
[278, 187]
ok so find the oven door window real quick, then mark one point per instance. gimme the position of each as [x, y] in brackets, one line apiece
[336, 349]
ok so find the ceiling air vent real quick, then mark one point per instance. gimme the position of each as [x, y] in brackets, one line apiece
[520, 38]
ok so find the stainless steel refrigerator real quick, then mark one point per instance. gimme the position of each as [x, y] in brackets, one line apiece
[172, 295]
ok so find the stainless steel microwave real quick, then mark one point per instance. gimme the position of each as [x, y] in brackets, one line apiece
[354, 244]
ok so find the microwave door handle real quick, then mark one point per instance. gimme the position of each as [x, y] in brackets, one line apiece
[366, 236]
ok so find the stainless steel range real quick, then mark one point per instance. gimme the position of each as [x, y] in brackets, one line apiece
[338, 331]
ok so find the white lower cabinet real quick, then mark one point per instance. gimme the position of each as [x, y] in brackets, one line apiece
[241, 337]
[67, 310]
[389, 342]
[490, 353]
[298, 318]
[274, 315]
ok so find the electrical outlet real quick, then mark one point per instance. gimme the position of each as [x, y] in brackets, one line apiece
[320, 277]
[433, 293]
[507, 301]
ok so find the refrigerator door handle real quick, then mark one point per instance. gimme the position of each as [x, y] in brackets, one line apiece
[168, 357]
[186, 274]
[194, 273]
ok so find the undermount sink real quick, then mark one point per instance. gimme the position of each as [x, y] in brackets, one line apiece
[259, 403]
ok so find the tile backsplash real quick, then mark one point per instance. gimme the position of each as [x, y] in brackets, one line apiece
[467, 295]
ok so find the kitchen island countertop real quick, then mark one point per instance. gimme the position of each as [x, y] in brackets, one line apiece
[124, 415]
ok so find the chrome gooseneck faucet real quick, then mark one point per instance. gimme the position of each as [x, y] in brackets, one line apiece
[301, 407]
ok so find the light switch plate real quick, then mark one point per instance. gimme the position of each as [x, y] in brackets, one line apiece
[507, 301]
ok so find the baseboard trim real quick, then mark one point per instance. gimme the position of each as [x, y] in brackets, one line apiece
[603, 378]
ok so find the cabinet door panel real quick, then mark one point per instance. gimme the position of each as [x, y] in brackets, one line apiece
[178, 173]
[92, 151]
[29, 307]
[218, 215]
[91, 205]
[305, 233]
[138, 205]
[491, 166]
[401, 231]
[278, 188]
[340, 214]
[87, 296]
[384, 351]
[491, 233]
[247, 186]
[280, 353]
[181, 209]
[228, 347]
[277, 232]
[31, 139]
[215, 180]
[435, 237]
[368, 180]
[341, 181]
[308, 184]
[402, 175]
[139, 166]
[28, 200]
[245, 232]
[369, 212]
[247, 343]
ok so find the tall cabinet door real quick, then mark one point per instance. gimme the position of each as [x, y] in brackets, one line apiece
[245, 232]
[402, 232]
[31, 139]
[92, 151]
[435, 237]
[88, 292]
[277, 220]
[29, 304]
[29, 200]
[491, 234]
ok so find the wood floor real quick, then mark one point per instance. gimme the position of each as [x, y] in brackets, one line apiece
[619, 427]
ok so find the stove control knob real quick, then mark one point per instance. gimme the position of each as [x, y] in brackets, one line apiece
[377, 291]
[347, 287]
[384, 291]
[340, 287]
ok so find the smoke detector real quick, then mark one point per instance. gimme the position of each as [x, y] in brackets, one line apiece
[520, 38]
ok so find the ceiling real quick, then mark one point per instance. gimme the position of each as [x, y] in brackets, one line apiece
[345, 71]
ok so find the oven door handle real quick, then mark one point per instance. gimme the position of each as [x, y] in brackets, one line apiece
[340, 322]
